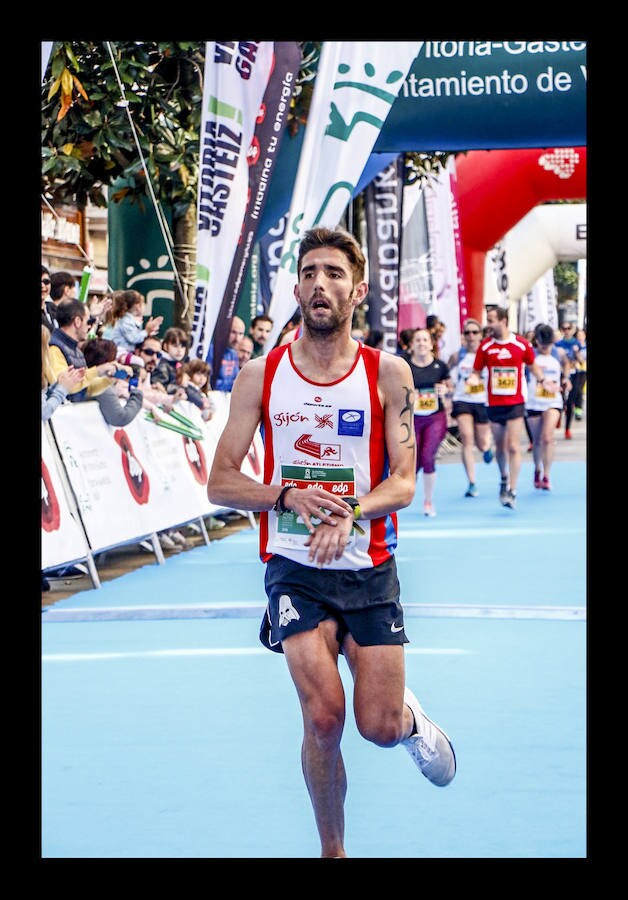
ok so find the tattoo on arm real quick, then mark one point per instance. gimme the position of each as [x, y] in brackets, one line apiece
[406, 416]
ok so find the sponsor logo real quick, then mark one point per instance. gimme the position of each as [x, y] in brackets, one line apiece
[285, 418]
[50, 511]
[396, 628]
[351, 422]
[316, 449]
[322, 421]
[287, 612]
[196, 459]
[136, 478]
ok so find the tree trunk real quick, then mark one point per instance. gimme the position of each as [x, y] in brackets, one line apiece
[185, 259]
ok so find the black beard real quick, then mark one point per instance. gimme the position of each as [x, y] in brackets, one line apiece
[324, 329]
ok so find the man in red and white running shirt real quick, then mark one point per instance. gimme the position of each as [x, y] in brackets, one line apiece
[338, 447]
[505, 355]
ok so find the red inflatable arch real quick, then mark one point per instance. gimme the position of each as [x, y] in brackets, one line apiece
[497, 188]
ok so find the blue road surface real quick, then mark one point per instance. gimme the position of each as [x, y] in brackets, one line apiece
[168, 731]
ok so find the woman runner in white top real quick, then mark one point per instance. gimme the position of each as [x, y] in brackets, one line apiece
[469, 404]
[544, 404]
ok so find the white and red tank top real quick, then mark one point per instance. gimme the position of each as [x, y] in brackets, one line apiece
[329, 436]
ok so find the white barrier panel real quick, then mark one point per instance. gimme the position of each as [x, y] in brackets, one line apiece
[131, 481]
[63, 539]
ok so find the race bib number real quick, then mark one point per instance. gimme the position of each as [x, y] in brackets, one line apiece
[504, 380]
[291, 531]
[544, 392]
[473, 388]
[425, 402]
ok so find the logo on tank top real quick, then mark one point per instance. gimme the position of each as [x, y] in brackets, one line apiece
[318, 450]
[351, 422]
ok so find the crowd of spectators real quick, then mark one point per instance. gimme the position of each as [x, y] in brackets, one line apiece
[109, 351]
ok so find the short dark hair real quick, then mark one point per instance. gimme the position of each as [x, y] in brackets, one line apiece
[261, 318]
[98, 351]
[544, 334]
[342, 240]
[59, 280]
[68, 310]
[500, 311]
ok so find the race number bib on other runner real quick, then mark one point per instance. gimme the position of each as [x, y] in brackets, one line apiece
[425, 401]
[504, 380]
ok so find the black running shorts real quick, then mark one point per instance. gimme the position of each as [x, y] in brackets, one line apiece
[501, 414]
[364, 603]
[477, 410]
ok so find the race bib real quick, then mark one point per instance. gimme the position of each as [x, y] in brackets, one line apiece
[543, 393]
[291, 531]
[425, 401]
[504, 380]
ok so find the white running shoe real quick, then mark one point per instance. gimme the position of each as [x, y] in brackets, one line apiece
[429, 746]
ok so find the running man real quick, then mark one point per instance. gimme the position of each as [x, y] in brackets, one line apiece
[339, 463]
[505, 355]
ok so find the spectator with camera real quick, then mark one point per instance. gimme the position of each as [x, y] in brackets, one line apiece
[121, 401]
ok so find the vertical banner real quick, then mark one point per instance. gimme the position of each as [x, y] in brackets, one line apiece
[383, 201]
[416, 288]
[457, 236]
[443, 260]
[270, 246]
[356, 85]
[236, 75]
[496, 286]
[538, 306]
[261, 157]
[582, 294]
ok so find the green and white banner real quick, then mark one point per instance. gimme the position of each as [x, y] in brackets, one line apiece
[356, 86]
[236, 75]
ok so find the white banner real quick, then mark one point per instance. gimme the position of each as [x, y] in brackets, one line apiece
[63, 539]
[439, 204]
[356, 84]
[236, 74]
[538, 306]
[132, 481]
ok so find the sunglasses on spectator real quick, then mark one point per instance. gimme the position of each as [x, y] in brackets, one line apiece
[45, 281]
[472, 331]
[149, 352]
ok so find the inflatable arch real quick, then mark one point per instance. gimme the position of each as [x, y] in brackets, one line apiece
[497, 188]
[544, 237]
